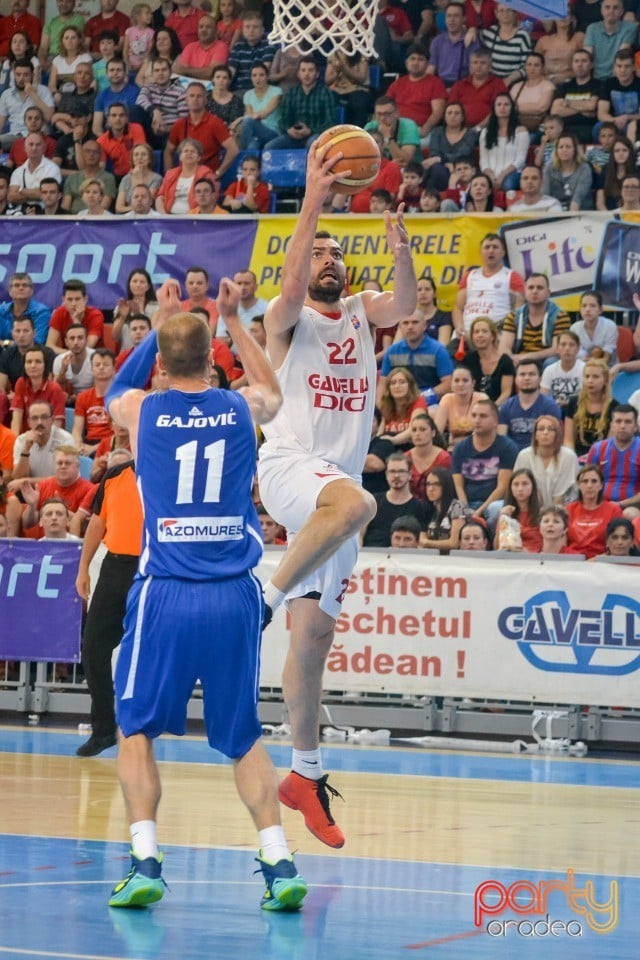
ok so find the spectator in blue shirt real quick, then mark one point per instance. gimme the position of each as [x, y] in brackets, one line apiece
[120, 90]
[426, 358]
[518, 414]
[22, 304]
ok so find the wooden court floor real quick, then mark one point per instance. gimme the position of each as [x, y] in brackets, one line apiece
[434, 841]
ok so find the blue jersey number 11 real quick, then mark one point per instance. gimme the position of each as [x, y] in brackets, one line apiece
[187, 456]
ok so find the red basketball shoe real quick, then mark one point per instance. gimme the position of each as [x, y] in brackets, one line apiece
[311, 798]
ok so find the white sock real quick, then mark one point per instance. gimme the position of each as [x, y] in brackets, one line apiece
[272, 596]
[144, 839]
[273, 844]
[308, 763]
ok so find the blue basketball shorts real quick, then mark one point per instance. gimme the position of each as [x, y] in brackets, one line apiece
[179, 631]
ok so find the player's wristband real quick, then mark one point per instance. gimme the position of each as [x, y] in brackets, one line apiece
[136, 369]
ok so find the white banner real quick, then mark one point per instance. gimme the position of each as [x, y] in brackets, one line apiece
[554, 632]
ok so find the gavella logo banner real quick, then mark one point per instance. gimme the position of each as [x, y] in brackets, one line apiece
[492, 898]
[555, 635]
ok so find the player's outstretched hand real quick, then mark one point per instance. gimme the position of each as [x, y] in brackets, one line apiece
[320, 175]
[168, 302]
[228, 298]
[397, 235]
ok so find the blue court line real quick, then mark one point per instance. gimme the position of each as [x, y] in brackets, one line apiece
[361, 759]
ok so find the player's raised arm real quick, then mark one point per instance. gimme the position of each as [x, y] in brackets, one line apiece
[124, 396]
[283, 312]
[387, 309]
[263, 393]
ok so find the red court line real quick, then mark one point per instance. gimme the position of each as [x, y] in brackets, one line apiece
[440, 940]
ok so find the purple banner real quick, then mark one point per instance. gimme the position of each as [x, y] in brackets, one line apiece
[103, 253]
[40, 611]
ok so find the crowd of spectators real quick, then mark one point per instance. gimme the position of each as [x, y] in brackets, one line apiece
[479, 108]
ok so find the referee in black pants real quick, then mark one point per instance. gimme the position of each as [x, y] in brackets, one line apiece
[116, 519]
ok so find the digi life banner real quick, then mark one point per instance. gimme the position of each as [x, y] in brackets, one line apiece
[103, 253]
[618, 268]
[40, 611]
[565, 632]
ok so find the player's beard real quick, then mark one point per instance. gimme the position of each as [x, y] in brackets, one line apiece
[326, 292]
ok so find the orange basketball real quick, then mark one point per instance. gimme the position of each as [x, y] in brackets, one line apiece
[361, 156]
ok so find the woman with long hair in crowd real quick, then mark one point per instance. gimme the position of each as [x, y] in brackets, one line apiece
[166, 45]
[63, 66]
[450, 514]
[439, 325]
[425, 454]
[590, 515]
[588, 416]
[20, 48]
[140, 297]
[597, 334]
[36, 383]
[453, 413]
[493, 372]
[400, 399]
[480, 196]
[504, 143]
[554, 523]
[621, 164]
[141, 174]
[534, 95]
[568, 177]
[229, 22]
[558, 47]
[522, 503]
[554, 466]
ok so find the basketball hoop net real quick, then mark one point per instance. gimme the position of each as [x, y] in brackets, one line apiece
[332, 25]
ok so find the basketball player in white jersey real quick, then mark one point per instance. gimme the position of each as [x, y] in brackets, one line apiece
[322, 349]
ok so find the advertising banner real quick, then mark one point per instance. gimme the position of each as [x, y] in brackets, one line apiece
[565, 632]
[40, 611]
[103, 253]
[618, 267]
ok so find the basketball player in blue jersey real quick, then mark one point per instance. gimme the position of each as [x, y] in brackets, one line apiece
[322, 348]
[195, 609]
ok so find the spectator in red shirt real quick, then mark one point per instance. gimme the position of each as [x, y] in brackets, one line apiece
[109, 18]
[249, 194]
[222, 355]
[184, 20]
[208, 130]
[120, 138]
[419, 96]
[139, 326]
[478, 91]
[19, 20]
[196, 283]
[74, 309]
[92, 422]
[66, 484]
[36, 384]
[34, 122]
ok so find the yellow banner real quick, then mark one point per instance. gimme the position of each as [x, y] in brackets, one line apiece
[443, 247]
